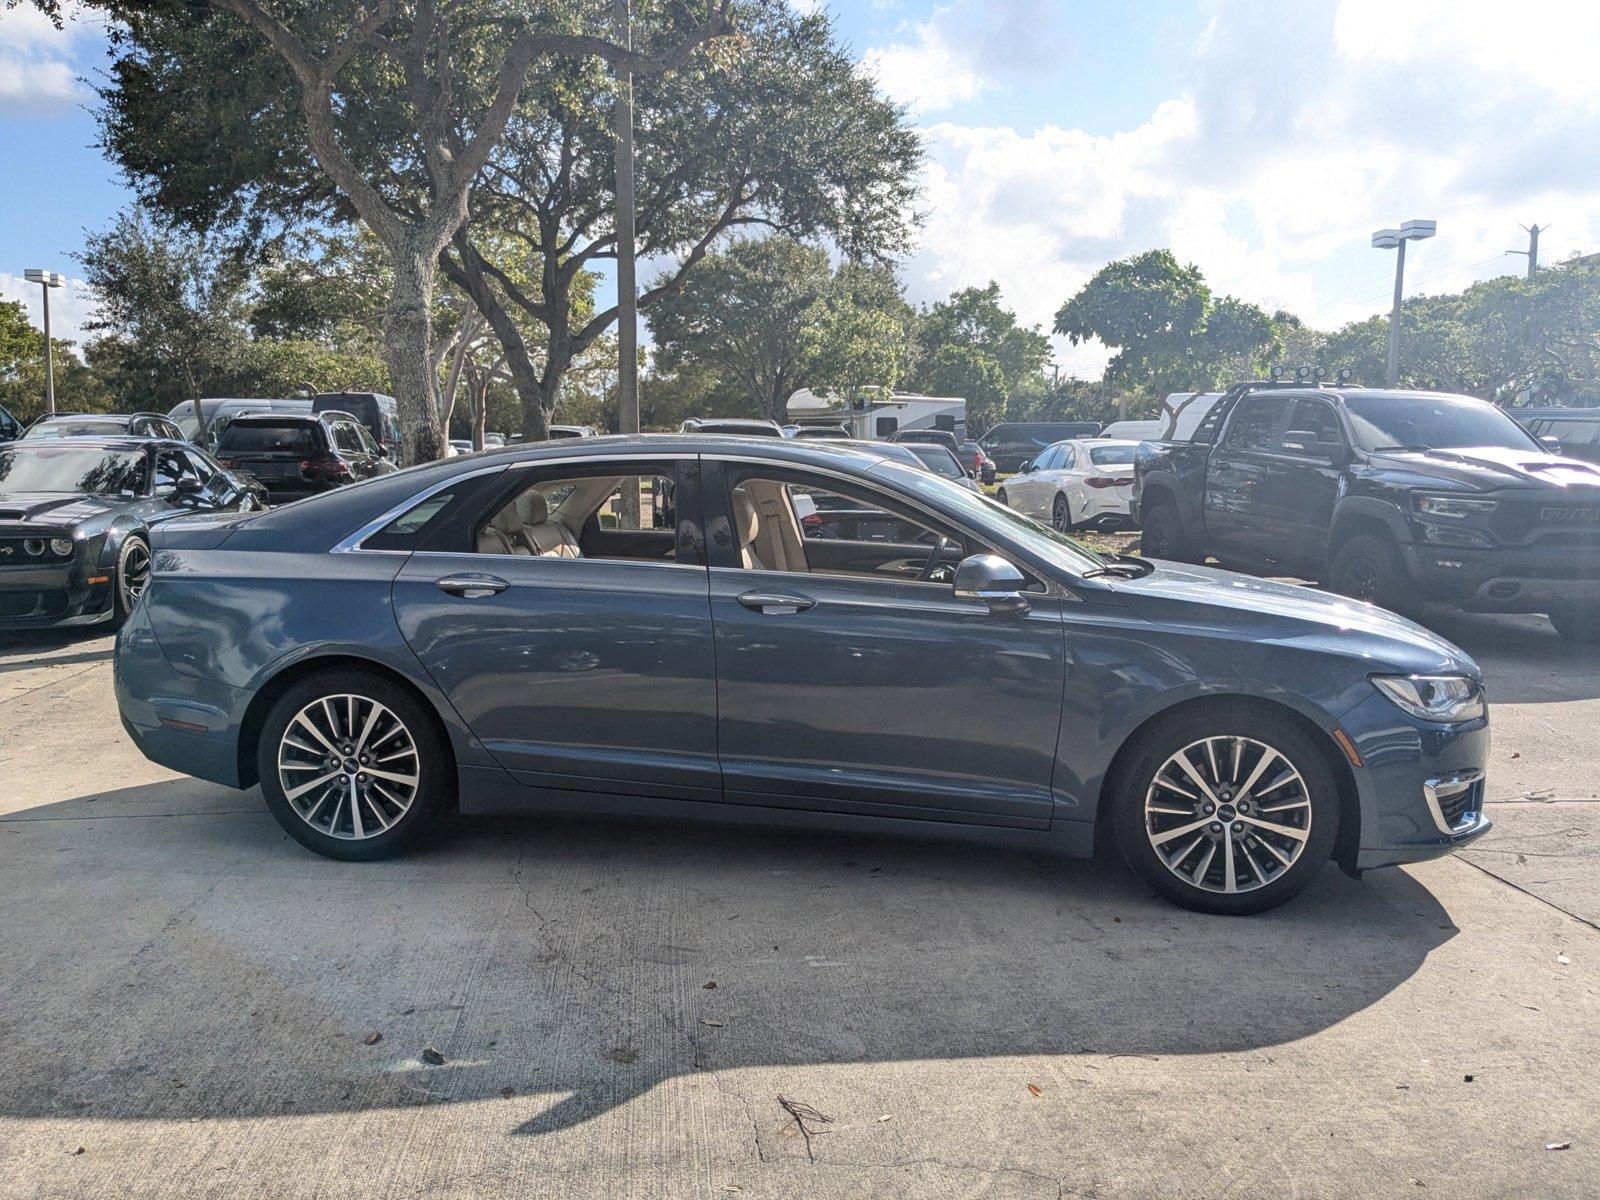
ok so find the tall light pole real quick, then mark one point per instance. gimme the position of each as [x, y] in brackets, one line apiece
[627, 286]
[47, 280]
[1396, 239]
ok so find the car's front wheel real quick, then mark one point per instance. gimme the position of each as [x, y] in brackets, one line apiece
[1227, 809]
[352, 764]
[131, 578]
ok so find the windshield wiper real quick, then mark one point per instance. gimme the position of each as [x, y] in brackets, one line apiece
[1401, 449]
[1121, 566]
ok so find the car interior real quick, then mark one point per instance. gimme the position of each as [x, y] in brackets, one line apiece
[583, 518]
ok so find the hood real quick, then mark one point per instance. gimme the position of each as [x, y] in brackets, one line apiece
[54, 508]
[1484, 468]
[1285, 613]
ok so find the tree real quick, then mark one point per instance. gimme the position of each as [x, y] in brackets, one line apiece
[789, 137]
[973, 347]
[860, 337]
[78, 389]
[1168, 331]
[175, 307]
[742, 317]
[398, 104]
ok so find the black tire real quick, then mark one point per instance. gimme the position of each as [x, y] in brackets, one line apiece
[1162, 536]
[1001, 496]
[1582, 628]
[1267, 881]
[1369, 568]
[131, 577]
[431, 763]
[1061, 515]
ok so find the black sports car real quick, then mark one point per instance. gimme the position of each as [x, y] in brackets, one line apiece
[75, 520]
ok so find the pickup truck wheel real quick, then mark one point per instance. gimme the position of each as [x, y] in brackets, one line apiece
[1163, 536]
[1226, 808]
[1583, 628]
[1061, 515]
[1369, 568]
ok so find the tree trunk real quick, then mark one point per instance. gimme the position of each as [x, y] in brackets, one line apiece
[525, 381]
[407, 350]
[478, 390]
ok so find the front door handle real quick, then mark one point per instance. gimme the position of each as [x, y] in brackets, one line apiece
[776, 604]
[473, 586]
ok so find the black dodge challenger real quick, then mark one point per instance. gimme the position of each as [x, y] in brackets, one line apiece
[75, 520]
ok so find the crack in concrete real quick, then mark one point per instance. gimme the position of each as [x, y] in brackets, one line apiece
[1534, 895]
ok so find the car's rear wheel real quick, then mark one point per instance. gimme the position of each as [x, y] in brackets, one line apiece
[1226, 809]
[1002, 497]
[1163, 536]
[132, 576]
[1583, 628]
[1369, 568]
[1061, 515]
[352, 765]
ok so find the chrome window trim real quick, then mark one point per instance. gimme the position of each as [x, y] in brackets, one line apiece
[352, 542]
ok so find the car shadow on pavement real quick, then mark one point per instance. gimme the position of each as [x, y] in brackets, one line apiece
[169, 962]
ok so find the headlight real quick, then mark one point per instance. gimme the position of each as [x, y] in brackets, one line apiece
[1453, 508]
[61, 547]
[1449, 698]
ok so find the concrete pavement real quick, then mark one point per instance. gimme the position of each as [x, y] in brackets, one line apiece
[187, 997]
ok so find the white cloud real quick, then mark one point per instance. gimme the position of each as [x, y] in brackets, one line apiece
[1297, 129]
[72, 306]
[38, 68]
[928, 73]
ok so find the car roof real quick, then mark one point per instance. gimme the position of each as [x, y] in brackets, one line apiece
[277, 418]
[101, 442]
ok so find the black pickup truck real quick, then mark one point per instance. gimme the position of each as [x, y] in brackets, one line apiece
[1393, 497]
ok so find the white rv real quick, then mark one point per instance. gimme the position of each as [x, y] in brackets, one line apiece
[881, 414]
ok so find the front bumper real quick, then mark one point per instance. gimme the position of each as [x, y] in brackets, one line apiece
[1506, 579]
[52, 594]
[1420, 785]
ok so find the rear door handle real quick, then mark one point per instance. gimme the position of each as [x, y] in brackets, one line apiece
[473, 586]
[776, 604]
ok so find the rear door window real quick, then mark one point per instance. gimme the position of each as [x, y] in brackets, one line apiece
[1256, 423]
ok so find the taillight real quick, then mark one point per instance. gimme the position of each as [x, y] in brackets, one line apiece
[326, 468]
[230, 463]
[811, 519]
[1105, 481]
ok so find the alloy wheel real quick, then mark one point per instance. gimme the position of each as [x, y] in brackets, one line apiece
[135, 571]
[348, 766]
[1360, 581]
[1228, 814]
[1061, 516]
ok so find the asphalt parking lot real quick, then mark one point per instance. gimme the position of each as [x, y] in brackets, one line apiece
[188, 999]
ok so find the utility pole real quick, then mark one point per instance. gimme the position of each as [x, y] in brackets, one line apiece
[1533, 247]
[627, 285]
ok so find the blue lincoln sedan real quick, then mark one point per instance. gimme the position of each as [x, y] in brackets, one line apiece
[647, 626]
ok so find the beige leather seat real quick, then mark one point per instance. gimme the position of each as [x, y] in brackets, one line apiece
[544, 537]
[747, 522]
[503, 534]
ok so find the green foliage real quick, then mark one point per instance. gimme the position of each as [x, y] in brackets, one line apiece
[22, 373]
[740, 317]
[1168, 331]
[861, 335]
[972, 346]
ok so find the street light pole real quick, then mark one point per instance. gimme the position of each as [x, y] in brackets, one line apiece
[1396, 239]
[627, 289]
[47, 280]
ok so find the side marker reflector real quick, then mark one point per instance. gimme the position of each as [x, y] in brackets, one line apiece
[1348, 747]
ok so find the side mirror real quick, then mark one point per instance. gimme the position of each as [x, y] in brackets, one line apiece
[1551, 443]
[990, 578]
[383, 451]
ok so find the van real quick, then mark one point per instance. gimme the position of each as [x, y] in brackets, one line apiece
[379, 413]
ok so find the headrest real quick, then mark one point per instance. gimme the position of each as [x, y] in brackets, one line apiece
[533, 508]
[745, 515]
[507, 521]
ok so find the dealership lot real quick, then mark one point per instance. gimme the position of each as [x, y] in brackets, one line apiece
[187, 996]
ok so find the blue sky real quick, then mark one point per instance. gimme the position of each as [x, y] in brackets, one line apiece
[1263, 140]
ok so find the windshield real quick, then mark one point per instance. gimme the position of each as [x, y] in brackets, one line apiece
[938, 460]
[1433, 423]
[1111, 456]
[983, 513]
[59, 429]
[73, 469]
[291, 436]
